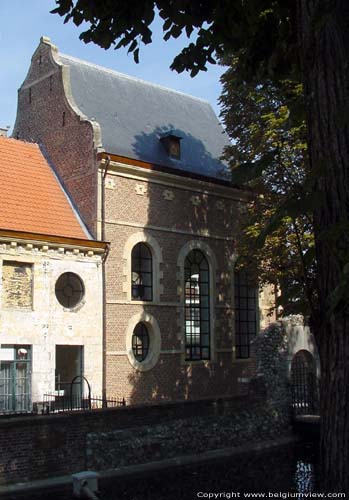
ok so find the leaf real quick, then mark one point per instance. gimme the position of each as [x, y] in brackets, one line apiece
[136, 56]
[248, 171]
[167, 25]
[132, 46]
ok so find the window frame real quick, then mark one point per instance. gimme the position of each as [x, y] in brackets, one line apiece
[195, 308]
[154, 349]
[141, 260]
[246, 302]
[140, 342]
[82, 292]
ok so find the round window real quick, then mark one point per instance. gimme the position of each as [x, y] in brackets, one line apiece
[140, 342]
[69, 290]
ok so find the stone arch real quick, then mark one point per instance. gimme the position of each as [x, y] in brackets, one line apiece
[304, 385]
[154, 341]
[143, 237]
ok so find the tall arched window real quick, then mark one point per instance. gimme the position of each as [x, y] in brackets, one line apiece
[197, 306]
[142, 273]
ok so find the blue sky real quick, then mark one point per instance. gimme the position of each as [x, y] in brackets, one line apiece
[22, 24]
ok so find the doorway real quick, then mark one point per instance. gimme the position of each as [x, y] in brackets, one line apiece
[69, 365]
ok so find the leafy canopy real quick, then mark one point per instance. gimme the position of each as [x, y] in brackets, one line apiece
[263, 31]
[269, 154]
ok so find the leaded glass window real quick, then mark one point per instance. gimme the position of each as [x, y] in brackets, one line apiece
[197, 306]
[69, 290]
[140, 342]
[245, 313]
[142, 273]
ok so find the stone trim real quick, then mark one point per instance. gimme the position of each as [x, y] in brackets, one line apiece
[139, 173]
[209, 254]
[22, 251]
[142, 303]
[154, 341]
[202, 234]
[143, 237]
[124, 353]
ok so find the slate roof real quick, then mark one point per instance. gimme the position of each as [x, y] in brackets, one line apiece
[134, 114]
[32, 199]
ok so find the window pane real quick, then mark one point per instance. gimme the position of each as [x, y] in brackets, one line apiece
[140, 342]
[142, 273]
[147, 294]
[197, 306]
[245, 313]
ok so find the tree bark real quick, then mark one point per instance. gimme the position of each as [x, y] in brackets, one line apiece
[323, 35]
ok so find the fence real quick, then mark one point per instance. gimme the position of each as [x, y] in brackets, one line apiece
[53, 403]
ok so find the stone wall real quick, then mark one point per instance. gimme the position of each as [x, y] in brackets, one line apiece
[32, 316]
[270, 351]
[45, 446]
[17, 285]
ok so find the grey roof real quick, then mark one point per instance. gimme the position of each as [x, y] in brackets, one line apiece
[134, 114]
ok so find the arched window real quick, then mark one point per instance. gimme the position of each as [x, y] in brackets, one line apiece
[142, 273]
[140, 342]
[197, 306]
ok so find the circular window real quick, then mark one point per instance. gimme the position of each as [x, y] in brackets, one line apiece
[140, 342]
[69, 290]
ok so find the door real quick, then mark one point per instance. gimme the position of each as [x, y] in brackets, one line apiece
[15, 379]
[69, 365]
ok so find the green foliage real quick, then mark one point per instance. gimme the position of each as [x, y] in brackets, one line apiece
[269, 154]
[264, 29]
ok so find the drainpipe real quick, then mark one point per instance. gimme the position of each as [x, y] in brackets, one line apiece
[104, 374]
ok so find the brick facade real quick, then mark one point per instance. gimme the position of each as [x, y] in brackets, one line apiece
[45, 117]
[178, 213]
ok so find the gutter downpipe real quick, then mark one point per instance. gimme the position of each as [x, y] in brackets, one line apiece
[104, 374]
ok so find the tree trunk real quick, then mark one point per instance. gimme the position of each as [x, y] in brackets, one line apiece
[323, 34]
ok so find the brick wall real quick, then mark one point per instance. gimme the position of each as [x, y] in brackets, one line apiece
[171, 217]
[44, 116]
[43, 446]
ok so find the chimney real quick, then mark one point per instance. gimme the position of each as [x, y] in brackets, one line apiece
[4, 130]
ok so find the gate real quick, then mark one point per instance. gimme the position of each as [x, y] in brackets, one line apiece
[305, 398]
[71, 396]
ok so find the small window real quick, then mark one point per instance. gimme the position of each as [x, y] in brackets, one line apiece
[140, 342]
[245, 313]
[69, 290]
[142, 273]
[172, 145]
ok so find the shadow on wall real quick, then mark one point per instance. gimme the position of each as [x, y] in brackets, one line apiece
[194, 156]
[191, 215]
[162, 384]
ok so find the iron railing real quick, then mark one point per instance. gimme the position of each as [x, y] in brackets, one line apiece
[53, 403]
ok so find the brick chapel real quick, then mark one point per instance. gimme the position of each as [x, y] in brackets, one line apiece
[141, 164]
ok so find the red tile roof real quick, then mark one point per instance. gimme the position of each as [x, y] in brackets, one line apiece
[31, 197]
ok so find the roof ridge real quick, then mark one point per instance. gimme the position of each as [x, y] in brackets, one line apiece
[13, 139]
[133, 78]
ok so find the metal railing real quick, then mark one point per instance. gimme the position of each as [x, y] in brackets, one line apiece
[53, 403]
